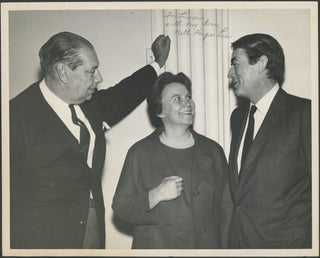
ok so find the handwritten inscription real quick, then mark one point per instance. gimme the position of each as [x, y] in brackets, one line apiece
[185, 25]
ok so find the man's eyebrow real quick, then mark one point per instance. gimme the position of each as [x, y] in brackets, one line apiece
[176, 95]
[94, 68]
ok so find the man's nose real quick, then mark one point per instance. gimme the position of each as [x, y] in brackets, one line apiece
[230, 72]
[186, 102]
[98, 77]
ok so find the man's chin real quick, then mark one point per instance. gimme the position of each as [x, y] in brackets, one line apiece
[238, 93]
[89, 97]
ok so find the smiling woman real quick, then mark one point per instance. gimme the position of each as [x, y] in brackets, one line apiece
[171, 184]
[178, 107]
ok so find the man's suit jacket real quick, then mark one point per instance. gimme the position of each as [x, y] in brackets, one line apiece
[50, 180]
[272, 194]
[145, 167]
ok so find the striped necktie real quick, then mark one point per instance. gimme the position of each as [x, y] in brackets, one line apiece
[84, 133]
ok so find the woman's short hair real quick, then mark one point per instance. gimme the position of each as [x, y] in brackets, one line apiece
[62, 47]
[154, 99]
[257, 45]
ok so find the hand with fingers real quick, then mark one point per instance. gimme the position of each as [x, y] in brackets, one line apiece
[160, 48]
[169, 189]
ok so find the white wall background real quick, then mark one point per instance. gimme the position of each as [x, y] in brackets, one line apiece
[121, 38]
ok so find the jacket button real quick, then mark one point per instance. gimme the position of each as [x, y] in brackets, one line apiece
[196, 192]
[239, 207]
[82, 222]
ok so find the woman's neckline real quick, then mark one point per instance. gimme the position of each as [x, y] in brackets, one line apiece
[187, 144]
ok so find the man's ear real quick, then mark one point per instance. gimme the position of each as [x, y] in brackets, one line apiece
[263, 61]
[63, 72]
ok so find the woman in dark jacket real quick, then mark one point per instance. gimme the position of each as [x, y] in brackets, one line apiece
[171, 183]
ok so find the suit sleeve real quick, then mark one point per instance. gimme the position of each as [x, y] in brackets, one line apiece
[118, 101]
[16, 149]
[131, 201]
[305, 138]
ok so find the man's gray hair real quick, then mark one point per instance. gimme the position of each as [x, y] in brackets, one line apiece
[62, 47]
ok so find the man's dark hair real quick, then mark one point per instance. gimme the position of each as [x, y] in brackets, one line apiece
[155, 96]
[62, 47]
[257, 45]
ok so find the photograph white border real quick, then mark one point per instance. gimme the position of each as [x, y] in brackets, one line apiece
[6, 7]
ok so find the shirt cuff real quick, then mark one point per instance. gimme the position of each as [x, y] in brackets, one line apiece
[105, 126]
[156, 67]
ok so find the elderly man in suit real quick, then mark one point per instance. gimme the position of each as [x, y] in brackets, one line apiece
[270, 154]
[57, 144]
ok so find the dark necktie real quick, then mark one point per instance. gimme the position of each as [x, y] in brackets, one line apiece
[84, 133]
[249, 135]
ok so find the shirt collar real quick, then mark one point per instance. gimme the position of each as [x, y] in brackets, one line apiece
[53, 100]
[264, 103]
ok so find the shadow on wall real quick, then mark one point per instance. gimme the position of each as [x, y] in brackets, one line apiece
[122, 226]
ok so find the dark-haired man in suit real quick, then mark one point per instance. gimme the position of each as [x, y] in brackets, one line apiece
[270, 154]
[57, 144]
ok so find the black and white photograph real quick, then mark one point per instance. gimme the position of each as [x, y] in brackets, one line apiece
[160, 128]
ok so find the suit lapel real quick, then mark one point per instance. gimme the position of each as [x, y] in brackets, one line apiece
[263, 134]
[238, 131]
[55, 127]
[266, 130]
[48, 118]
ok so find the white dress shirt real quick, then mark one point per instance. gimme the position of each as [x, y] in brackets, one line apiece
[263, 106]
